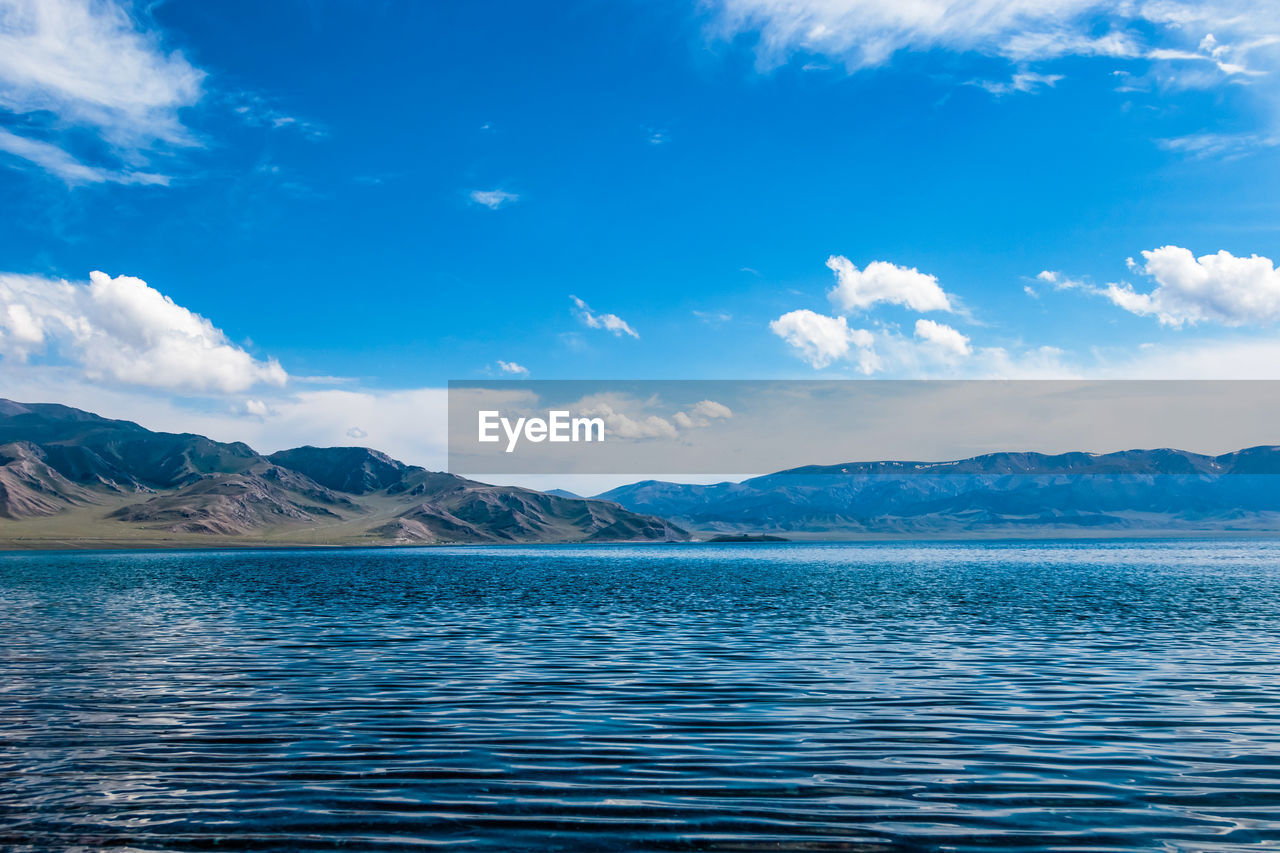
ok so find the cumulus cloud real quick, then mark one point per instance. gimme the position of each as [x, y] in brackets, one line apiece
[943, 337]
[512, 368]
[823, 340]
[641, 418]
[493, 199]
[624, 418]
[89, 66]
[608, 322]
[881, 281]
[257, 408]
[701, 414]
[123, 330]
[1220, 288]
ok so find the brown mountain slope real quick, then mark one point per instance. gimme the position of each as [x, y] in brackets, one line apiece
[239, 504]
[466, 511]
[70, 478]
[29, 487]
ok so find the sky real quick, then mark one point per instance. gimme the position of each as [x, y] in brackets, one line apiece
[293, 222]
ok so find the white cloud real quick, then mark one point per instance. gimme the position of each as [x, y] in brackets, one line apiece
[711, 409]
[608, 322]
[1221, 145]
[868, 33]
[1063, 282]
[713, 318]
[624, 421]
[257, 408]
[1036, 362]
[493, 199]
[633, 417]
[701, 414]
[1220, 288]
[1023, 81]
[54, 160]
[1157, 47]
[512, 368]
[822, 340]
[942, 336]
[1249, 358]
[258, 111]
[122, 330]
[89, 65]
[881, 281]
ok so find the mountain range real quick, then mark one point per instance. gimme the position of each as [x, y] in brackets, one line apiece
[69, 478]
[1135, 492]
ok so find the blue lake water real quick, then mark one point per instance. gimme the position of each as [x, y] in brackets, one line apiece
[1082, 696]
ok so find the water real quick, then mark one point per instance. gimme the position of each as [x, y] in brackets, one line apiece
[1088, 696]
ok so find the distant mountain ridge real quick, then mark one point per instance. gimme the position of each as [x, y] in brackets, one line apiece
[1137, 491]
[71, 476]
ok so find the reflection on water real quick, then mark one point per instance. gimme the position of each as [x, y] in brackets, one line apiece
[830, 697]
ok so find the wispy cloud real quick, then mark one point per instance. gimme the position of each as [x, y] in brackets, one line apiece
[1223, 146]
[493, 199]
[59, 163]
[1060, 281]
[608, 322]
[258, 111]
[511, 368]
[1162, 46]
[89, 66]
[868, 33]
[713, 318]
[1023, 81]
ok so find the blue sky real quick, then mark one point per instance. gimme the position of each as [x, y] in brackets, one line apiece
[345, 205]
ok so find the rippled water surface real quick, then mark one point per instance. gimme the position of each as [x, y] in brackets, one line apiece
[829, 697]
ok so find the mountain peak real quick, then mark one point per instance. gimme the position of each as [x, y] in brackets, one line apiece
[355, 470]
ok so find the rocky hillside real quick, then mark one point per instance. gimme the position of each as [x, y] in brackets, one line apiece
[68, 476]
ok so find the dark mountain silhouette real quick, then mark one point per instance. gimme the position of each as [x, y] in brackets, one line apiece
[68, 477]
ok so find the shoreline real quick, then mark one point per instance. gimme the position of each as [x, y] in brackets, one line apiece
[29, 546]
